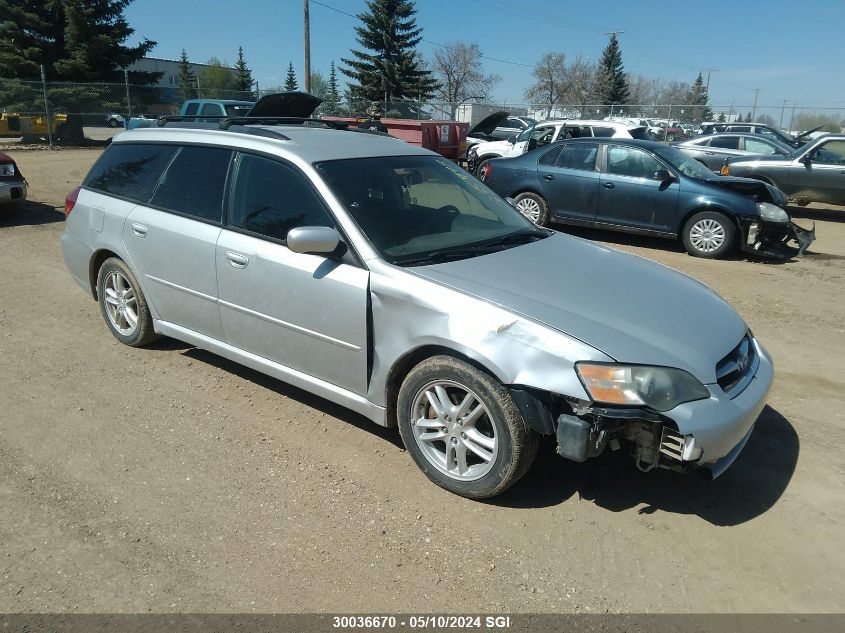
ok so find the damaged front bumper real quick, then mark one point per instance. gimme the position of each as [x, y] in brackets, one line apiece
[775, 240]
[704, 436]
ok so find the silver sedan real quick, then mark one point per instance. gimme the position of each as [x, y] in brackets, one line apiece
[715, 149]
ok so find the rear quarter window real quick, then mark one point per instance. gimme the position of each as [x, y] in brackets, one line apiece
[640, 133]
[130, 170]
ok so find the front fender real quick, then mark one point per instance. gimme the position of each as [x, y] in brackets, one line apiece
[410, 313]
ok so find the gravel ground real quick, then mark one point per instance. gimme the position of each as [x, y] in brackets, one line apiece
[169, 480]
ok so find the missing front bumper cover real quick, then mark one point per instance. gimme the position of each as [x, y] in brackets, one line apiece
[775, 241]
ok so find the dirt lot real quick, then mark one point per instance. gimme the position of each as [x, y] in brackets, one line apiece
[167, 479]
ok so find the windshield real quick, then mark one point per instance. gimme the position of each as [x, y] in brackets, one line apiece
[683, 163]
[413, 207]
[237, 110]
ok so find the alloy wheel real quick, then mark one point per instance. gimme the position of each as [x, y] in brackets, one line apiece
[454, 430]
[530, 208]
[121, 303]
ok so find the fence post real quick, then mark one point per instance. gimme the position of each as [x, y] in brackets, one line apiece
[46, 107]
[128, 102]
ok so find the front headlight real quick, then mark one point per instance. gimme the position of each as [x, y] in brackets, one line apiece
[660, 388]
[7, 169]
[771, 213]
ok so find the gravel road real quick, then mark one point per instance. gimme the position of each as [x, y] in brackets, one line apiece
[169, 480]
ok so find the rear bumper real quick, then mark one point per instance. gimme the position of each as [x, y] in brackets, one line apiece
[12, 191]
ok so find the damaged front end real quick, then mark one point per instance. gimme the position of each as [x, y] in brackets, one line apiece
[775, 240]
[584, 430]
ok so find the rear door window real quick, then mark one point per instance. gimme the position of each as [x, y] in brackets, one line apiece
[725, 142]
[130, 170]
[578, 156]
[193, 183]
[211, 109]
[550, 157]
[270, 198]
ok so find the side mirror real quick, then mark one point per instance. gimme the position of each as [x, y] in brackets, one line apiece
[806, 158]
[663, 175]
[318, 240]
[512, 139]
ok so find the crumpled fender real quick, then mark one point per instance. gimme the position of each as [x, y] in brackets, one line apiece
[411, 313]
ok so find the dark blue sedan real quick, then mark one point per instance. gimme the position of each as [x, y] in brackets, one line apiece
[648, 188]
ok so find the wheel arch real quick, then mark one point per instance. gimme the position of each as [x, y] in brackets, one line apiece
[403, 366]
[715, 208]
[94, 265]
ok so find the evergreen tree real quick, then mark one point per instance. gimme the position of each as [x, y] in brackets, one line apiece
[291, 83]
[331, 106]
[187, 78]
[611, 85]
[697, 99]
[243, 76]
[75, 40]
[749, 118]
[738, 118]
[388, 65]
[721, 118]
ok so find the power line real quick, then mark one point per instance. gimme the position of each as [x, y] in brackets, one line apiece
[448, 48]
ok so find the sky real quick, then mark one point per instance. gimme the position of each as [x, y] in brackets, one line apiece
[792, 50]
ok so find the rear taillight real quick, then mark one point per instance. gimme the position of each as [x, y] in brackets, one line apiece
[70, 201]
[485, 173]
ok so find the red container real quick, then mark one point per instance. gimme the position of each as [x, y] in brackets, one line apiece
[447, 138]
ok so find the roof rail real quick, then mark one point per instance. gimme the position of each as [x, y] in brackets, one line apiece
[224, 122]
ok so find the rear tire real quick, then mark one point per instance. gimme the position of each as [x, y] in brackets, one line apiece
[533, 207]
[462, 428]
[123, 304]
[479, 169]
[710, 235]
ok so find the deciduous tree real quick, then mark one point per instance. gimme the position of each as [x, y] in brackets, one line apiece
[458, 69]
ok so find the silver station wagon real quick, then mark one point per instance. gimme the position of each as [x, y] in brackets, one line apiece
[381, 276]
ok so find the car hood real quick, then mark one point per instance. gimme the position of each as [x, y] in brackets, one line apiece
[493, 146]
[632, 309]
[286, 104]
[759, 190]
[486, 125]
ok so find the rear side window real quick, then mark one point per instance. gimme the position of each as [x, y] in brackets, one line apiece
[193, 183]
[130, 170]
[271, 198]
[759, 147]
[603, 132]
[725, 142]
[630, 161]
[550, 157]
[578, 156]
[739, 128]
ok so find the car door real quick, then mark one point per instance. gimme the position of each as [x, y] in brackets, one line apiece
[570, 181]
[821, 176]
[307, 312]
[172, 238]
[532, 138]
[630, 195]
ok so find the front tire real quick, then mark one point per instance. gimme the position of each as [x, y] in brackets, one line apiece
[462, 428]
[533, 207]
[710, 235]
[123, 305]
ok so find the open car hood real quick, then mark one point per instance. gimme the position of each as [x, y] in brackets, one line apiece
[489, 123]
[761, 191]
[808, 132]
[286, 104]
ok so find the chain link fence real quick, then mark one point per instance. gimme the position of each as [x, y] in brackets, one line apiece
[90, 113]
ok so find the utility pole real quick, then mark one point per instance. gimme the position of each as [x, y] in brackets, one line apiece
[710, 70]
[754, 108]
[307, 46]
[782, 108]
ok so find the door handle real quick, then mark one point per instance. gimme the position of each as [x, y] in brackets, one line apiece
[709, 153]
[548, 177]
[139, 229]
[609, 185]
[237, 260]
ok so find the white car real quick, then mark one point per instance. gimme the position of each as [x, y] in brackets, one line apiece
[549, 132]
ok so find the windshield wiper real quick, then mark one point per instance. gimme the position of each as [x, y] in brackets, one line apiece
[472, 250]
